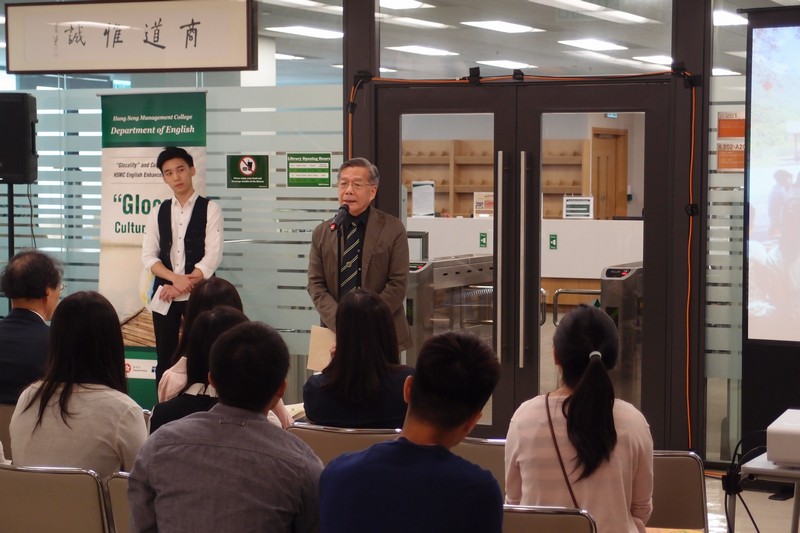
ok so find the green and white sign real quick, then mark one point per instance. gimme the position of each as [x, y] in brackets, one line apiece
[168, 119]
[135, 129]
[308, 169]
[248, 172]
[140, 369]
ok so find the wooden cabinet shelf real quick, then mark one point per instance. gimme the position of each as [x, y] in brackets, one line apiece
[474, 159]
[458, 167]
[562, 189]
[426, 159]
[562, 159]
[472, 188]
[565, 171]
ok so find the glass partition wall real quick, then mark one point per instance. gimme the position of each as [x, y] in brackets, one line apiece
[270, 111]
[725, 227]
[60, 213]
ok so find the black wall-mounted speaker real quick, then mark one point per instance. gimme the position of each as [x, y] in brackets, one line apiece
[18, 157]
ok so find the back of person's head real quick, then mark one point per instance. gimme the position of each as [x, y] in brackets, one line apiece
[207, 294]
[86, 347]
[586, 345]
[366, 348]
[208, 326]
[455, 375]
[249, 363]
[29, 274]
[363, 162]
[174, 152]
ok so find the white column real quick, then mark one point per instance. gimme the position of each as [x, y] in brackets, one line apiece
[265, 75]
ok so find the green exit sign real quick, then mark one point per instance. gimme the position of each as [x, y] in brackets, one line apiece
[483, 240]
[553, 241]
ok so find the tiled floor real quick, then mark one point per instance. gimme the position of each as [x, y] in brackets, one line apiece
[770, 516]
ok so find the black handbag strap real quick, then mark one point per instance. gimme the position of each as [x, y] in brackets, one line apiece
[558, 452]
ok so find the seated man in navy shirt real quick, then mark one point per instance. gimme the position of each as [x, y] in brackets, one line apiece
[415, 483]
[32, 281]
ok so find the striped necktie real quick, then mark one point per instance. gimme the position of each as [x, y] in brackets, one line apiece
[349, 273]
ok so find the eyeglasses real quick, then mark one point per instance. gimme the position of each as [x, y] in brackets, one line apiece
[357, 185]
[62, 287]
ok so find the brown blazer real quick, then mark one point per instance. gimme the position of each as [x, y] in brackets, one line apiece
[384, 269]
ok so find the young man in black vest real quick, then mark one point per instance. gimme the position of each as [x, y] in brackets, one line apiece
[182, 245]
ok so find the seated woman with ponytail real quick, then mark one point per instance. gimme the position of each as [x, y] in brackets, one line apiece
[578, 446]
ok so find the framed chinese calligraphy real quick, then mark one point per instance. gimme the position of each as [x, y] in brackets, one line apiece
[130, 36]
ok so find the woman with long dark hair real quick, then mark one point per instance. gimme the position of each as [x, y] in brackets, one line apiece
[362, 386]
[80, 415]
[198, 395]
[207, 294]
[578, 446]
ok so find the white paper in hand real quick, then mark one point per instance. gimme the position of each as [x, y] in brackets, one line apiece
[319, 348]
[157, 305]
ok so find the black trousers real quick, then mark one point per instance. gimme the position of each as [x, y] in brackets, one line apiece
[167, 329]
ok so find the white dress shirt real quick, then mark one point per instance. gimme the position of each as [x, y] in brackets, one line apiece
[180, 216]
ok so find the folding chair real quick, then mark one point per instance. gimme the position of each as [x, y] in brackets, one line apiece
[329, 442]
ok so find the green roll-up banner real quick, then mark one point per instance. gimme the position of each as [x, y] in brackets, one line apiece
[135, 128]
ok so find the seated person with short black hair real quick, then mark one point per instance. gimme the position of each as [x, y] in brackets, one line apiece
[415, 483]
[230, 469]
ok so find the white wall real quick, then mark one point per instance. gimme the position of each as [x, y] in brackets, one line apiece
[585, 247]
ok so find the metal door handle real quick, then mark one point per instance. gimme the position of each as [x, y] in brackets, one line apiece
[498, 240]
[523, 156]
[542, 306]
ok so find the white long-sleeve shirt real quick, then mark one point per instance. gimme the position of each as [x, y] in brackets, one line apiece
[180, 216]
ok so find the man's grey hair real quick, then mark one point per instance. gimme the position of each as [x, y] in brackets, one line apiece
[363, 162]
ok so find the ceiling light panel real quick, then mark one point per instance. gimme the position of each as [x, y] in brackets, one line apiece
[594, 45]
[577, 6]
[657, 60]
[501, 26]
[622, 17]
[726, 18]
[416, 23]
[421, 50]
[299, 3]
[605, 58]
[596, 11]
[306, 31]
[505, 63]
[403, 4]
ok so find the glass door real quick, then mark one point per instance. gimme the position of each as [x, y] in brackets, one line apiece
[449, 150]
[596, 173]
[592, 190]
[484, 171]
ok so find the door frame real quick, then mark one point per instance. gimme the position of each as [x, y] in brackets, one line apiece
[392, 101]
[534, 101]
[517, 106]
